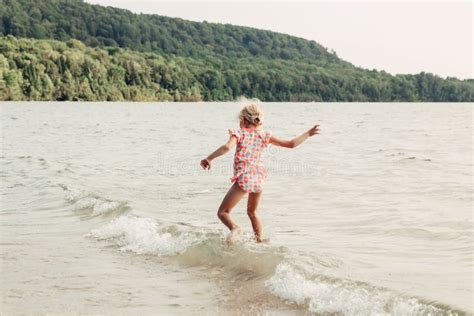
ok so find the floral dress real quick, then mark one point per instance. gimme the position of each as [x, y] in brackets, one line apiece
[249, 171]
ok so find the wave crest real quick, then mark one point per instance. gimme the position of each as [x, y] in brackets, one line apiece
[268, 269]
[82, 200]
[141, 236]
[324, 296]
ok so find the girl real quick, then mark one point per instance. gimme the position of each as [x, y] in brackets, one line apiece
[249, 172]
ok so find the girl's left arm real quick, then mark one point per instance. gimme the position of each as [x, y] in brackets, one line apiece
[295, 141]
[206, 162]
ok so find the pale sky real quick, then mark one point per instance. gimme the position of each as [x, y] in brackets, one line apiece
[396, 36]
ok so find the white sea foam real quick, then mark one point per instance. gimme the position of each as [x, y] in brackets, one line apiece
[142, 236]
[102, 207]
[85, 200]
[72, 195]
[248, 261]
[99, 206]
[343, 297]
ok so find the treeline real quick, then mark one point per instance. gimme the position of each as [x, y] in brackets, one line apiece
[55, 70]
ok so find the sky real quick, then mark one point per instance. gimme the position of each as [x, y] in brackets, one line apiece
[398, 36]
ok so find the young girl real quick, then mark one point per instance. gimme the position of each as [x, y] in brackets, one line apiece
[249, 172]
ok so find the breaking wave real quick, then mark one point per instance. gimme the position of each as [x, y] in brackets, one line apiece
[275, 267]
[91, 203]
[321, 295]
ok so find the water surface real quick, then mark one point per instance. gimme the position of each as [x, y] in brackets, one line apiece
[104, 209]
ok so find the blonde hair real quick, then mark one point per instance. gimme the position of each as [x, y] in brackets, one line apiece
[252, 114]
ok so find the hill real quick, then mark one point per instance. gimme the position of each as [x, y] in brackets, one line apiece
[206, 61]
[96, 25]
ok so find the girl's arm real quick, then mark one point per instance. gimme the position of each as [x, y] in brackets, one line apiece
[206, 163]
[295, 141]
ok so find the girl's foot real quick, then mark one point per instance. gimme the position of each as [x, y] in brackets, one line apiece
[234, 233]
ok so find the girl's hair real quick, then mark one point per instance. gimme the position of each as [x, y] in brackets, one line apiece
[252, 114]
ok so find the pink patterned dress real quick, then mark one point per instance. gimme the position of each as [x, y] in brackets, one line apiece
[249, 171]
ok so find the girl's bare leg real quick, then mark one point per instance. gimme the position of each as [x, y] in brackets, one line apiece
[252, 206]
[233, 196]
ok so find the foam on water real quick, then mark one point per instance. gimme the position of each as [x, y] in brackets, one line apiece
[141, 236]
[72, 195]
[195, 247]
[322, 296]
[274, 267]
[269, 264]
[102, 207]
[82, 200]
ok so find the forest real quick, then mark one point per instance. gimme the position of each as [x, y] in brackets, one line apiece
[71, 50]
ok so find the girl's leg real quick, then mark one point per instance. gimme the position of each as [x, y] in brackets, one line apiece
[231, 199]
[252, 206]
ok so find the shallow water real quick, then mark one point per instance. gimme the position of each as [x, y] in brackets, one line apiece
[104, 210]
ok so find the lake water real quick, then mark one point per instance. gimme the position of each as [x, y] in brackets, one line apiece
[104, 210]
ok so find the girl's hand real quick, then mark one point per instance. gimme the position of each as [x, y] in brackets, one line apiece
[205, 164]
[313, 130]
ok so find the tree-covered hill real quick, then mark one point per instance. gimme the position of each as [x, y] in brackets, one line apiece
[96, 25]
[172, 59]
[55, 70]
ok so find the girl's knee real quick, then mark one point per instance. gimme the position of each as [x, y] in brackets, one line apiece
[252, 213]
[222, 212]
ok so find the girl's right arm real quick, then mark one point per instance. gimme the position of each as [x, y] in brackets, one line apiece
[206, 162]
[295, 141]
